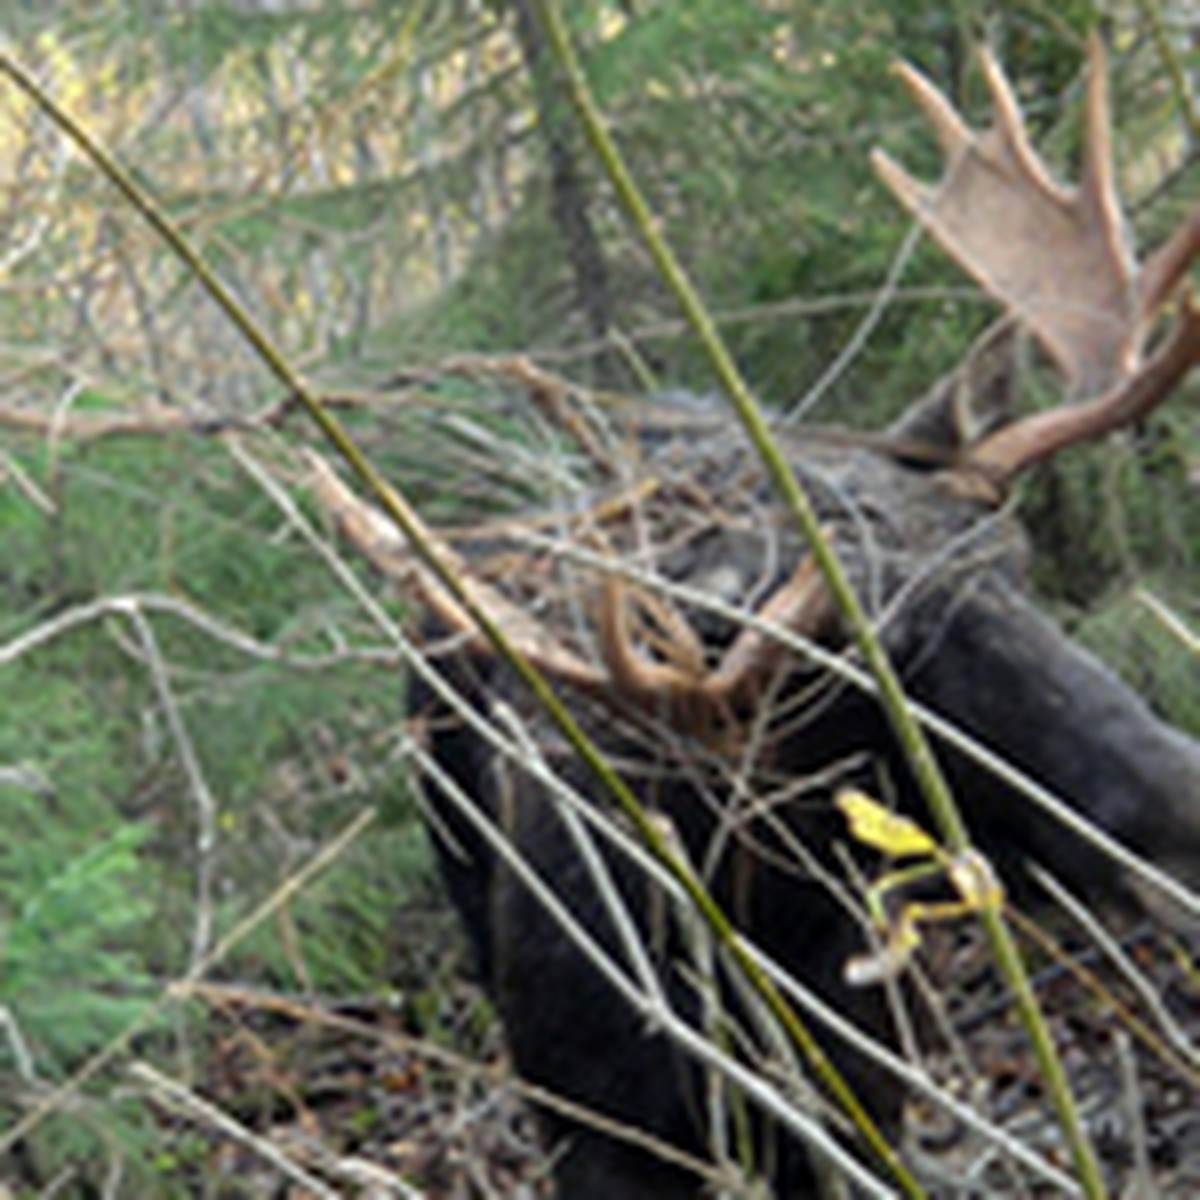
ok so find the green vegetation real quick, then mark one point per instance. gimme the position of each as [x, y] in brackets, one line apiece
[104, 886]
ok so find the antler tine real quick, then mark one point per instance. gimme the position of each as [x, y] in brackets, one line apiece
[696, 701]
[380, 542]
[1043, 434]
[1099, 179]
[692, 699]
[953, 133]
[660, 687]
[1011, 136]
[1055, 257]
[802, 605]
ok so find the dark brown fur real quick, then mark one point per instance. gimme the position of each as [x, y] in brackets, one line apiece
[943, 572]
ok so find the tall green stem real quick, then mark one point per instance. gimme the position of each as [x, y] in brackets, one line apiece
[399, 512]
[891, 693]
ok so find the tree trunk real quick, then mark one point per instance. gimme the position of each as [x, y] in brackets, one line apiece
[568, 188]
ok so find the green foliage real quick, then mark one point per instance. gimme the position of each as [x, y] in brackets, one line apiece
[1146, 654]
[1104, 515]
[77, 892]
[74, 897]
[72, 977]
[98, 869]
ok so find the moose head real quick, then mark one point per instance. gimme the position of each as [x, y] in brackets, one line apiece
[677, 611]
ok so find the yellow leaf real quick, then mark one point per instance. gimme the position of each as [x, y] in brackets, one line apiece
[882, 829]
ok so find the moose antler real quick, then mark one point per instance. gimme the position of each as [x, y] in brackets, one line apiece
[700, 700]
[1057, 258]
[381, 543]
[681, 691]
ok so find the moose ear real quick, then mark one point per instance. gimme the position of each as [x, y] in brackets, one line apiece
[979, 396]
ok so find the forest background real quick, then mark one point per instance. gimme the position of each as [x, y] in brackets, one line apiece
[200, 716]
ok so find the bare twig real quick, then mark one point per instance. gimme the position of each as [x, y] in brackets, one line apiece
[70, 619]
[181, 1099]
[205, 803]
[18, 1046]
[1188, 1060]
[1169, 620]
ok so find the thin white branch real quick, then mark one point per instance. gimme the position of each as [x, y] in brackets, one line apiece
[182, 1100]
[881, 303]
[22, 1055]
[1170, 620]
[593, 861]
[1146, 990]
[658, 1018]
[96, 610]
[205, 803]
